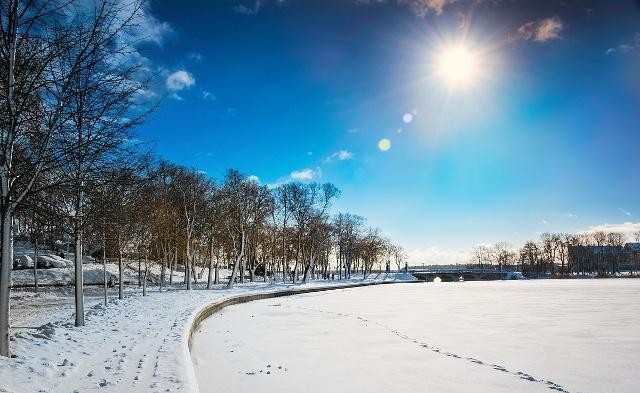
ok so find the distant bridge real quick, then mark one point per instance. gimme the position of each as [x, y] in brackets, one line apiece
[448, 275]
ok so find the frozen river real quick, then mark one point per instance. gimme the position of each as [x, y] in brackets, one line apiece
[499, 336]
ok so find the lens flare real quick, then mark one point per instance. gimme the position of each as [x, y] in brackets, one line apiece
[384, 144]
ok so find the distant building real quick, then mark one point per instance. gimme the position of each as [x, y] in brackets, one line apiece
[604, 259]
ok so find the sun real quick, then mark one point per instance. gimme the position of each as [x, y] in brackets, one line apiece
[458, 66]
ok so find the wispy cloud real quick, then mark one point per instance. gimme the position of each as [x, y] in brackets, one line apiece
[254, 179]
[541, 30]
[180, 80]
[249, 10]
[195, 56]
[626, 228]
[625, 212]
[207, 95]
[423, 7]
[148, 27]
[353, 130]
[306, 174]
[418, 7]
[626, 47]
[340, 155]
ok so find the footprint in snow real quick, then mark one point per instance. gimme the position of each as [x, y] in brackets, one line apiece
[102, 383]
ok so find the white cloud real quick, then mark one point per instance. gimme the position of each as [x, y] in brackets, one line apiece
[306, 174]
[542, 30]
[625, 212]
[146, 26]
[340, 155]
[254, 179]
[626, 47]
[207, 95]
[626, 228]
[353, 130]
[180, 80]
[423, 7]
[437, 256]
[549, 29]
[252, 10]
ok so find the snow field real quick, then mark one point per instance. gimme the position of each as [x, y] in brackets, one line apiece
[134, 344]
[500, 336]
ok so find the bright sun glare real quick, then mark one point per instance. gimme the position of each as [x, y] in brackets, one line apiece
[458, 66]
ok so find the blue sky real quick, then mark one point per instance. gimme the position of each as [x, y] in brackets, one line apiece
[545, 136]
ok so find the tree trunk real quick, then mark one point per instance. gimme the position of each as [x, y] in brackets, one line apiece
[236, 263]
[171, 265]
[5, 277]
[187, 266]
[120, 275]
[79, 295]
[35, 264]
[146, 271]
[209, 277]
[309, 269]
[104, 268]
[217, 275]
[163, 270]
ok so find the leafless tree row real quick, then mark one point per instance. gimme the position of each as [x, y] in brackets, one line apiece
[562, 254]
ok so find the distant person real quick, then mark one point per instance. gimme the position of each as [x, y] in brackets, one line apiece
[333, 276]
[61, 255]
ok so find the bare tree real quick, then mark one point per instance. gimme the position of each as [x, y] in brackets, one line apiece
[32, 39]
[102, 109]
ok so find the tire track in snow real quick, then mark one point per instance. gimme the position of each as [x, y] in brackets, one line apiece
[496, 367]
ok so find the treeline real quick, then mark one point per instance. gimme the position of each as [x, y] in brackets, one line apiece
[73, 88]
[178, 218]
[562, 254]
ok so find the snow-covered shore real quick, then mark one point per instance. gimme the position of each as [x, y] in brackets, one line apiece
[135, 344]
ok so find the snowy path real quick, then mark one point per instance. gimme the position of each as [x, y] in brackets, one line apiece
[137, 344]
[535, 336]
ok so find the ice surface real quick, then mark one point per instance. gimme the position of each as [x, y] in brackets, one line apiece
[500, 336]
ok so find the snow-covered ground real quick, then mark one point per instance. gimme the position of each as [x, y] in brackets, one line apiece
[499, 336]
[133, 345]
[93, 274]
